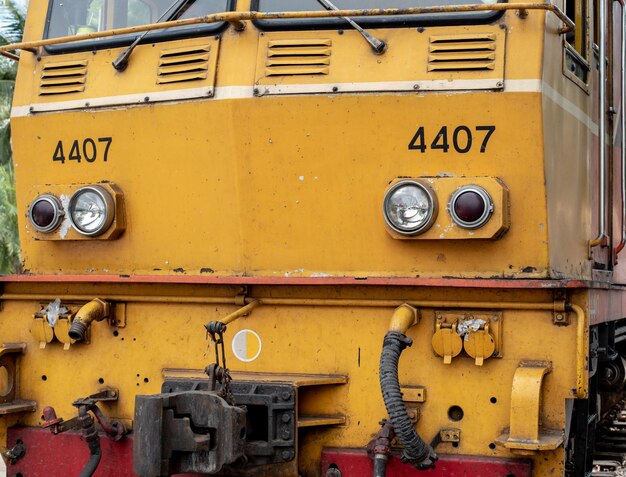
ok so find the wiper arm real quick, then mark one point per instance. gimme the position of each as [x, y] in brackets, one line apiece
[377, 45]
[121, 62]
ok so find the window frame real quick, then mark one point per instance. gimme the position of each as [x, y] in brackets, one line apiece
[450, 19]
[192, 31]
[578, 52]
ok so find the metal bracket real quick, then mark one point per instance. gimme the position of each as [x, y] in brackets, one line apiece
[525, 433]
[118, 315]
[450, 435]
[10, 402]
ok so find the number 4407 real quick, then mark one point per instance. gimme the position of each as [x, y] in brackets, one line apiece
[462, 139]
[89, 150]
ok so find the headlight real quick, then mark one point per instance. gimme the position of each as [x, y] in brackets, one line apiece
[91, 210]
[410, 207]
[45, 213]
[470, 207]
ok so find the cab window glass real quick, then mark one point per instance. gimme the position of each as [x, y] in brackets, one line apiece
[74, 17]
[576, 10]
[302, 5]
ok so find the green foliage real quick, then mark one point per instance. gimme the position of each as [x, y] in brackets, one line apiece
[9, 239]
[12, 15]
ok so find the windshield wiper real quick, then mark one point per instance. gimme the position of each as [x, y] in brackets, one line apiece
[377, 45]
[121, 62]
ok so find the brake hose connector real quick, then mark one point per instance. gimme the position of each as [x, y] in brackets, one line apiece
[416, 452]
[95, 310]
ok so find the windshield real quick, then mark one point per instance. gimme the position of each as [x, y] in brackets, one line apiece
[74, 17]
[303, 5]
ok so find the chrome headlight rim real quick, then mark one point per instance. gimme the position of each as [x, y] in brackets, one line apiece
[58, 213]
[433, 209]
[109, 205]
[485, 216]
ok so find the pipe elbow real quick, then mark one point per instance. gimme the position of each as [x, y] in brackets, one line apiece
[95, 310]
[403, 318]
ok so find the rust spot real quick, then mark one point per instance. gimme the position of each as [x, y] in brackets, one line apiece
[529, 270]
[207, 270]
[179, 270]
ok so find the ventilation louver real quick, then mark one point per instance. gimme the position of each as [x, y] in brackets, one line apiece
[298, 57]
[183, 64]
[63, 78]
[470, 52]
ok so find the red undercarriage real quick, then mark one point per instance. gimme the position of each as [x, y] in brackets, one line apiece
[64, 455]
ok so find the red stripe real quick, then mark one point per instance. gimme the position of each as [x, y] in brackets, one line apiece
[65, 455]
[356, 463]
[233, 280]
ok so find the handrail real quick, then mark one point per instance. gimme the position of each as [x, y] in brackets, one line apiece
[237, 19]
[622, 242]
[602, 238]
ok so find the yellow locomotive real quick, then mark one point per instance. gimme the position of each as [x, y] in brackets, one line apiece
[317, 239]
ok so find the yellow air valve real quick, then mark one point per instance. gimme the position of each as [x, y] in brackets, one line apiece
[446, 342]
[41, 330]
[62, 330]
[480, 345]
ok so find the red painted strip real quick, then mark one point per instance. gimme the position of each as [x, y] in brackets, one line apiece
[387, 281]
[65, 455]
[356, 463]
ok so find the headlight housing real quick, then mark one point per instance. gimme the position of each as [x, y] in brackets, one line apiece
[410, 207]
[45, 213]
[470, 207]
[91, 210]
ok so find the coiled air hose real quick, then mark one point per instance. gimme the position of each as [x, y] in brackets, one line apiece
[416, 452]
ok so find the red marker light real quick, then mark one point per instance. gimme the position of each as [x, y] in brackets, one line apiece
[470, 207]
[45, 213]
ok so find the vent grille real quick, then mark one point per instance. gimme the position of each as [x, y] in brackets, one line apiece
[63, 78]
[183, 64]
[474, 52]
[298, 57]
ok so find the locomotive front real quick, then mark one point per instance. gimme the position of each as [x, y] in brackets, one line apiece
[241, 221]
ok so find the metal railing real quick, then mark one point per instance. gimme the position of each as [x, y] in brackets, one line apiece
[238, 19]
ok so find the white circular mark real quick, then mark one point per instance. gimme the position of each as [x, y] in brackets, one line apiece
[247, 345]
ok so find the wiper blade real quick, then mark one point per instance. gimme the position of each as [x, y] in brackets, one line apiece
[377, 45]
[121, 62]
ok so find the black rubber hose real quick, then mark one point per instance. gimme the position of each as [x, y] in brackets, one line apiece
[90, 434]
[380, 466]
[92, 464]
[416, 451]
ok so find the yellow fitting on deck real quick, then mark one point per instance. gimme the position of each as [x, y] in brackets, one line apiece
[95, 310]
[403, 318]
[243, 311]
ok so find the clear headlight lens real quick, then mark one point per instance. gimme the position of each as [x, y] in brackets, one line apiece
[91, 210]
[470, 207]
[45, 213]
[410, 207]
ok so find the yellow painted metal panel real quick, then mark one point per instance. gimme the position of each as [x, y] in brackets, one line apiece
[295, 182]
